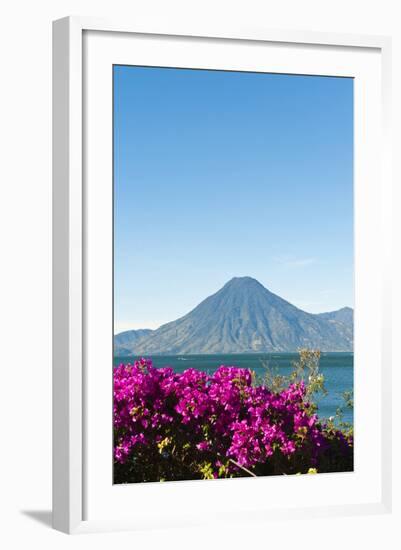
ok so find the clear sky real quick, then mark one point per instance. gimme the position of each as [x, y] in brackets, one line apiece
[222, 174]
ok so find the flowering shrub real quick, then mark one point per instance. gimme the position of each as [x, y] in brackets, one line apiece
[170, 426]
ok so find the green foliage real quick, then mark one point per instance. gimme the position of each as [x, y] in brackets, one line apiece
[337, 421]
[306, 369]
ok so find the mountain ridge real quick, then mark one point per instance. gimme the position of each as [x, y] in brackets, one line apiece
[242, 317]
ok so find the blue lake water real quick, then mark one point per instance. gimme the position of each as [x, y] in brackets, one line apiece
[337, 368]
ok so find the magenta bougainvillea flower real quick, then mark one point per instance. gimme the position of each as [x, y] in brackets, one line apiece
[193, 425]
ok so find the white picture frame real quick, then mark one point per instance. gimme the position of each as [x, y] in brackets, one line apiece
[72, 425]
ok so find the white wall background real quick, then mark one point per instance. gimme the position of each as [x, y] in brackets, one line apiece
[25, 218]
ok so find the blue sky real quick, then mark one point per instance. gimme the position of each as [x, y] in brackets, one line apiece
[222, 174]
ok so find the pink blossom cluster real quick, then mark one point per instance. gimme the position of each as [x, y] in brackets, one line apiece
[190, 423]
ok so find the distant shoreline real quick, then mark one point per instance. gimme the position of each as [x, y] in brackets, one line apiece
[253, 353]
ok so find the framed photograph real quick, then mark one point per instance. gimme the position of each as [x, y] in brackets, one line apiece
[221, 250]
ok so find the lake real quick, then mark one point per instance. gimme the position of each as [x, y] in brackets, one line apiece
[337, 368]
